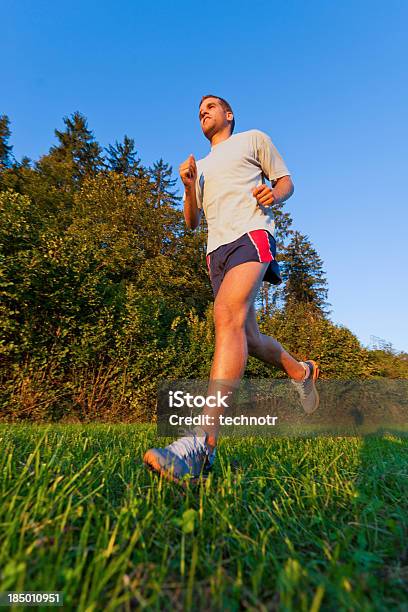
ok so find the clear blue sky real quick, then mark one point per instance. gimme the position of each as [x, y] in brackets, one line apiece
[326, 80]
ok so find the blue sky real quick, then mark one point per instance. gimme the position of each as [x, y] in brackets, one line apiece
[326, 80]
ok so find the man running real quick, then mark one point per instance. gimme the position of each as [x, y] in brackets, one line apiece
[228, 184]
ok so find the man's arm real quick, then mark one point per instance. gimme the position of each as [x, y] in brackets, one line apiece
[192, 214]
[281, 191]
[282, 188]
[188, 174]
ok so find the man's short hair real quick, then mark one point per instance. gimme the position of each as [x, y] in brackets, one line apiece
[225, 105]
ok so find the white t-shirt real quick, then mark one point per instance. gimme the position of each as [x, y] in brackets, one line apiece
[225, 179]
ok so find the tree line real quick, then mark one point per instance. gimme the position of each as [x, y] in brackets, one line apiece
[104, 291]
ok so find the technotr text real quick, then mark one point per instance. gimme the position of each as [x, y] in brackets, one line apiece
[206, 419]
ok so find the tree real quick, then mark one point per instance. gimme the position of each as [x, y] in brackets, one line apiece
[162, 185]
[122, 157]
[5, 148]
[76, 155]
[302, 272]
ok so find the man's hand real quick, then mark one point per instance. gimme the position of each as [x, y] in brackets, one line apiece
[264, 195]
[188, 172]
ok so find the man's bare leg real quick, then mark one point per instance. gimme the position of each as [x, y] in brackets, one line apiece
[231, 307]
[269, 350]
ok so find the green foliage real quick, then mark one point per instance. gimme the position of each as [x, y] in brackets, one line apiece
[110, 292]
[20, 232]
[388, 364]
[307, 334]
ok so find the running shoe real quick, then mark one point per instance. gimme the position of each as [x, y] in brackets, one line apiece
[184, 459]
[306, 388]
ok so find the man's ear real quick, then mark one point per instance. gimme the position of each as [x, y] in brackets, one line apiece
[230, 116]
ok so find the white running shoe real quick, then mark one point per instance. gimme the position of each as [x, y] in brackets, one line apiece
[306, 388]
[186, 457]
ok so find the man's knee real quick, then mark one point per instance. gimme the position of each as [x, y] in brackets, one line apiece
[228, 315]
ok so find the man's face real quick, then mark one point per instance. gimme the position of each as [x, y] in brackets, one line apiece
[213, 117]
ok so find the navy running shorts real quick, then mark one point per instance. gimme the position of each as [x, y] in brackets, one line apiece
[258, 245]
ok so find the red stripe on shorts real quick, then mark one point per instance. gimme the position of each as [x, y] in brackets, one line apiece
[207, 257]
[260, 240]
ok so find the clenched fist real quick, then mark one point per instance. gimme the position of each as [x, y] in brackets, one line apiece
[188, 171]
[264, 195]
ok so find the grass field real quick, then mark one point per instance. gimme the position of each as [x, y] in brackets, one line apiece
[312, 524]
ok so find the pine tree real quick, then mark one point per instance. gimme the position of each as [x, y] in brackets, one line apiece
[5, 148]
[122, 158]
[302, 272]
[162, 185]
[76, 155]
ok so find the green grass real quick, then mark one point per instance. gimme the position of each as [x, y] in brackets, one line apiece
[281, 524]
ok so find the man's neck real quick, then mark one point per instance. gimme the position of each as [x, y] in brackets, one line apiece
[223, 134]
